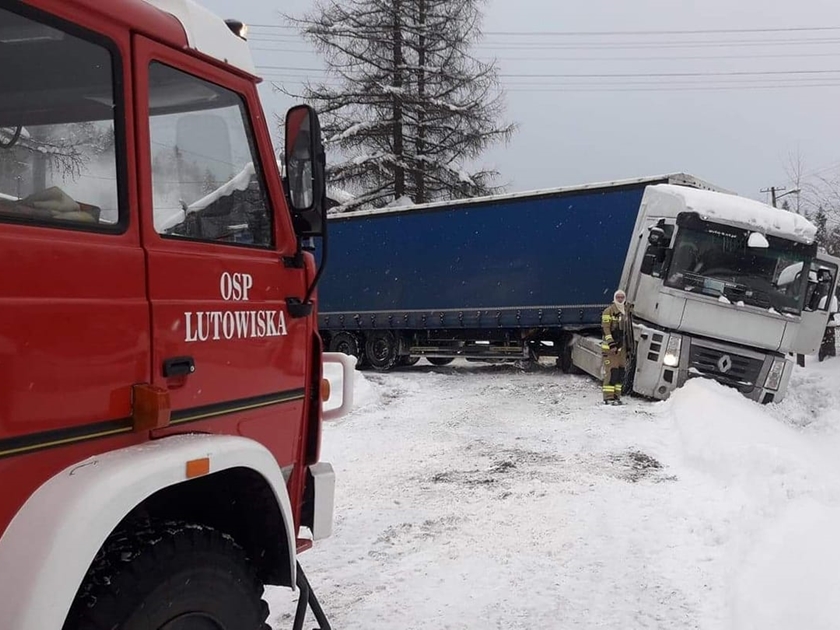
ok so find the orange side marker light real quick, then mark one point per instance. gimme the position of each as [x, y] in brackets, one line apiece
[151, 407]
[198, 467]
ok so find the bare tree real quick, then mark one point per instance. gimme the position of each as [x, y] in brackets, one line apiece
[826, 212]
[818, 199]
[405, 105]
[795, 170]
[63, 150]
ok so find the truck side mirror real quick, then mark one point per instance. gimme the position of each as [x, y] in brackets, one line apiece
[819, 288]
[656, 254]
[656, 236]
[305, 165]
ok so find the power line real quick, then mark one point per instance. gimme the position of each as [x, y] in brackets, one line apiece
[820, 169]
[791, 82]
[634, 87]
[735, 73]
[282, 37]
[785, 29]
[698, 88]
[645, 58]
[675, 57]
[296, 38]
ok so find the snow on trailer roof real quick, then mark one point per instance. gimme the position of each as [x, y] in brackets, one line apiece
[208, 34]
[739, 212]
[677, 178]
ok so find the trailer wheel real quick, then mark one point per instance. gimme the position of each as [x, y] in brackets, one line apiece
[440, 361]
[170, 576]
[408, 361]
[381, 350]
[347, 343]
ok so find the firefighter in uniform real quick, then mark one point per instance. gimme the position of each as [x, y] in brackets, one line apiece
[616, 327]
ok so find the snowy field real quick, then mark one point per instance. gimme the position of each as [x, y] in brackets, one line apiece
[475, 496]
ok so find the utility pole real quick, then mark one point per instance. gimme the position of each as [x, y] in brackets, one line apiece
[775, 189]
[772, 190]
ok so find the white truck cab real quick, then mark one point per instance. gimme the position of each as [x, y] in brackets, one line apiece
[723, 287]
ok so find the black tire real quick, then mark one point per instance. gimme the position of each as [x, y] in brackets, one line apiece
[629, 377]
[407, 361]
[170, 576]
[348, 343]
[564, 361]
[381, 350]
[440, 361]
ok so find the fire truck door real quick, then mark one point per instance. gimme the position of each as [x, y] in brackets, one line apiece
[223, 343]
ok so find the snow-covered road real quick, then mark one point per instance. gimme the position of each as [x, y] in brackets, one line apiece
[485, 497]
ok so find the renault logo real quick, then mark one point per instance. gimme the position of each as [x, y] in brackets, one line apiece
[724, 364]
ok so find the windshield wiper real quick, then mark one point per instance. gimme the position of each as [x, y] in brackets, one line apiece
[732, 291]
[740, 292]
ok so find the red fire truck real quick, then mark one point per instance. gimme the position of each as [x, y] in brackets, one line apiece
[161, 379]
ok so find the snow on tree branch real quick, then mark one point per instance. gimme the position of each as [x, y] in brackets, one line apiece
[405, 106]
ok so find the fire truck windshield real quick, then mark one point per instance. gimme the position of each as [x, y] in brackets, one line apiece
[57, 125]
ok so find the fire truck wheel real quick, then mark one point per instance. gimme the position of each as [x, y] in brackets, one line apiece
[170, 576]
[381, 350]
[440, 361]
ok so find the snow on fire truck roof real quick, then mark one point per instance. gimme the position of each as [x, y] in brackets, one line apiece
[738, 211]
[208, 34]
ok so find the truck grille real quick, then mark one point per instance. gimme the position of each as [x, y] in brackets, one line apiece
[738, 371]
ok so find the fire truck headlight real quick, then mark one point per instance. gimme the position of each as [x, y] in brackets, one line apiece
[672, 351]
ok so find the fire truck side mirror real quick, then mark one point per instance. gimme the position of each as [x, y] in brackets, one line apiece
[305, 165]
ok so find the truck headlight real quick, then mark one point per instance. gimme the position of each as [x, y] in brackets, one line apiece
[774, 376]
[672, 351]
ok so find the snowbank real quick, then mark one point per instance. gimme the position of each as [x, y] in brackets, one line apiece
[737, 441]
[364, 393]
[778, 502]
[792, 577]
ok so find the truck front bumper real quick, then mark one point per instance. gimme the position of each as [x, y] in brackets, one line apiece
[748, 371]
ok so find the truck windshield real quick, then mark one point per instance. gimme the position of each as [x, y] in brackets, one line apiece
[716, 260]
[58, 160]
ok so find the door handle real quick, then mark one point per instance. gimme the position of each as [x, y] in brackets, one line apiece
[178, 366]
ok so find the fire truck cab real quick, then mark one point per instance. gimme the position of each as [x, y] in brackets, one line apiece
[161, 371]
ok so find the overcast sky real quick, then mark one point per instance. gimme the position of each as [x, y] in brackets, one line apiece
[582, 129]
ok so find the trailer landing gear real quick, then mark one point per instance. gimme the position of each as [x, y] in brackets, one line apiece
[306, 600]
